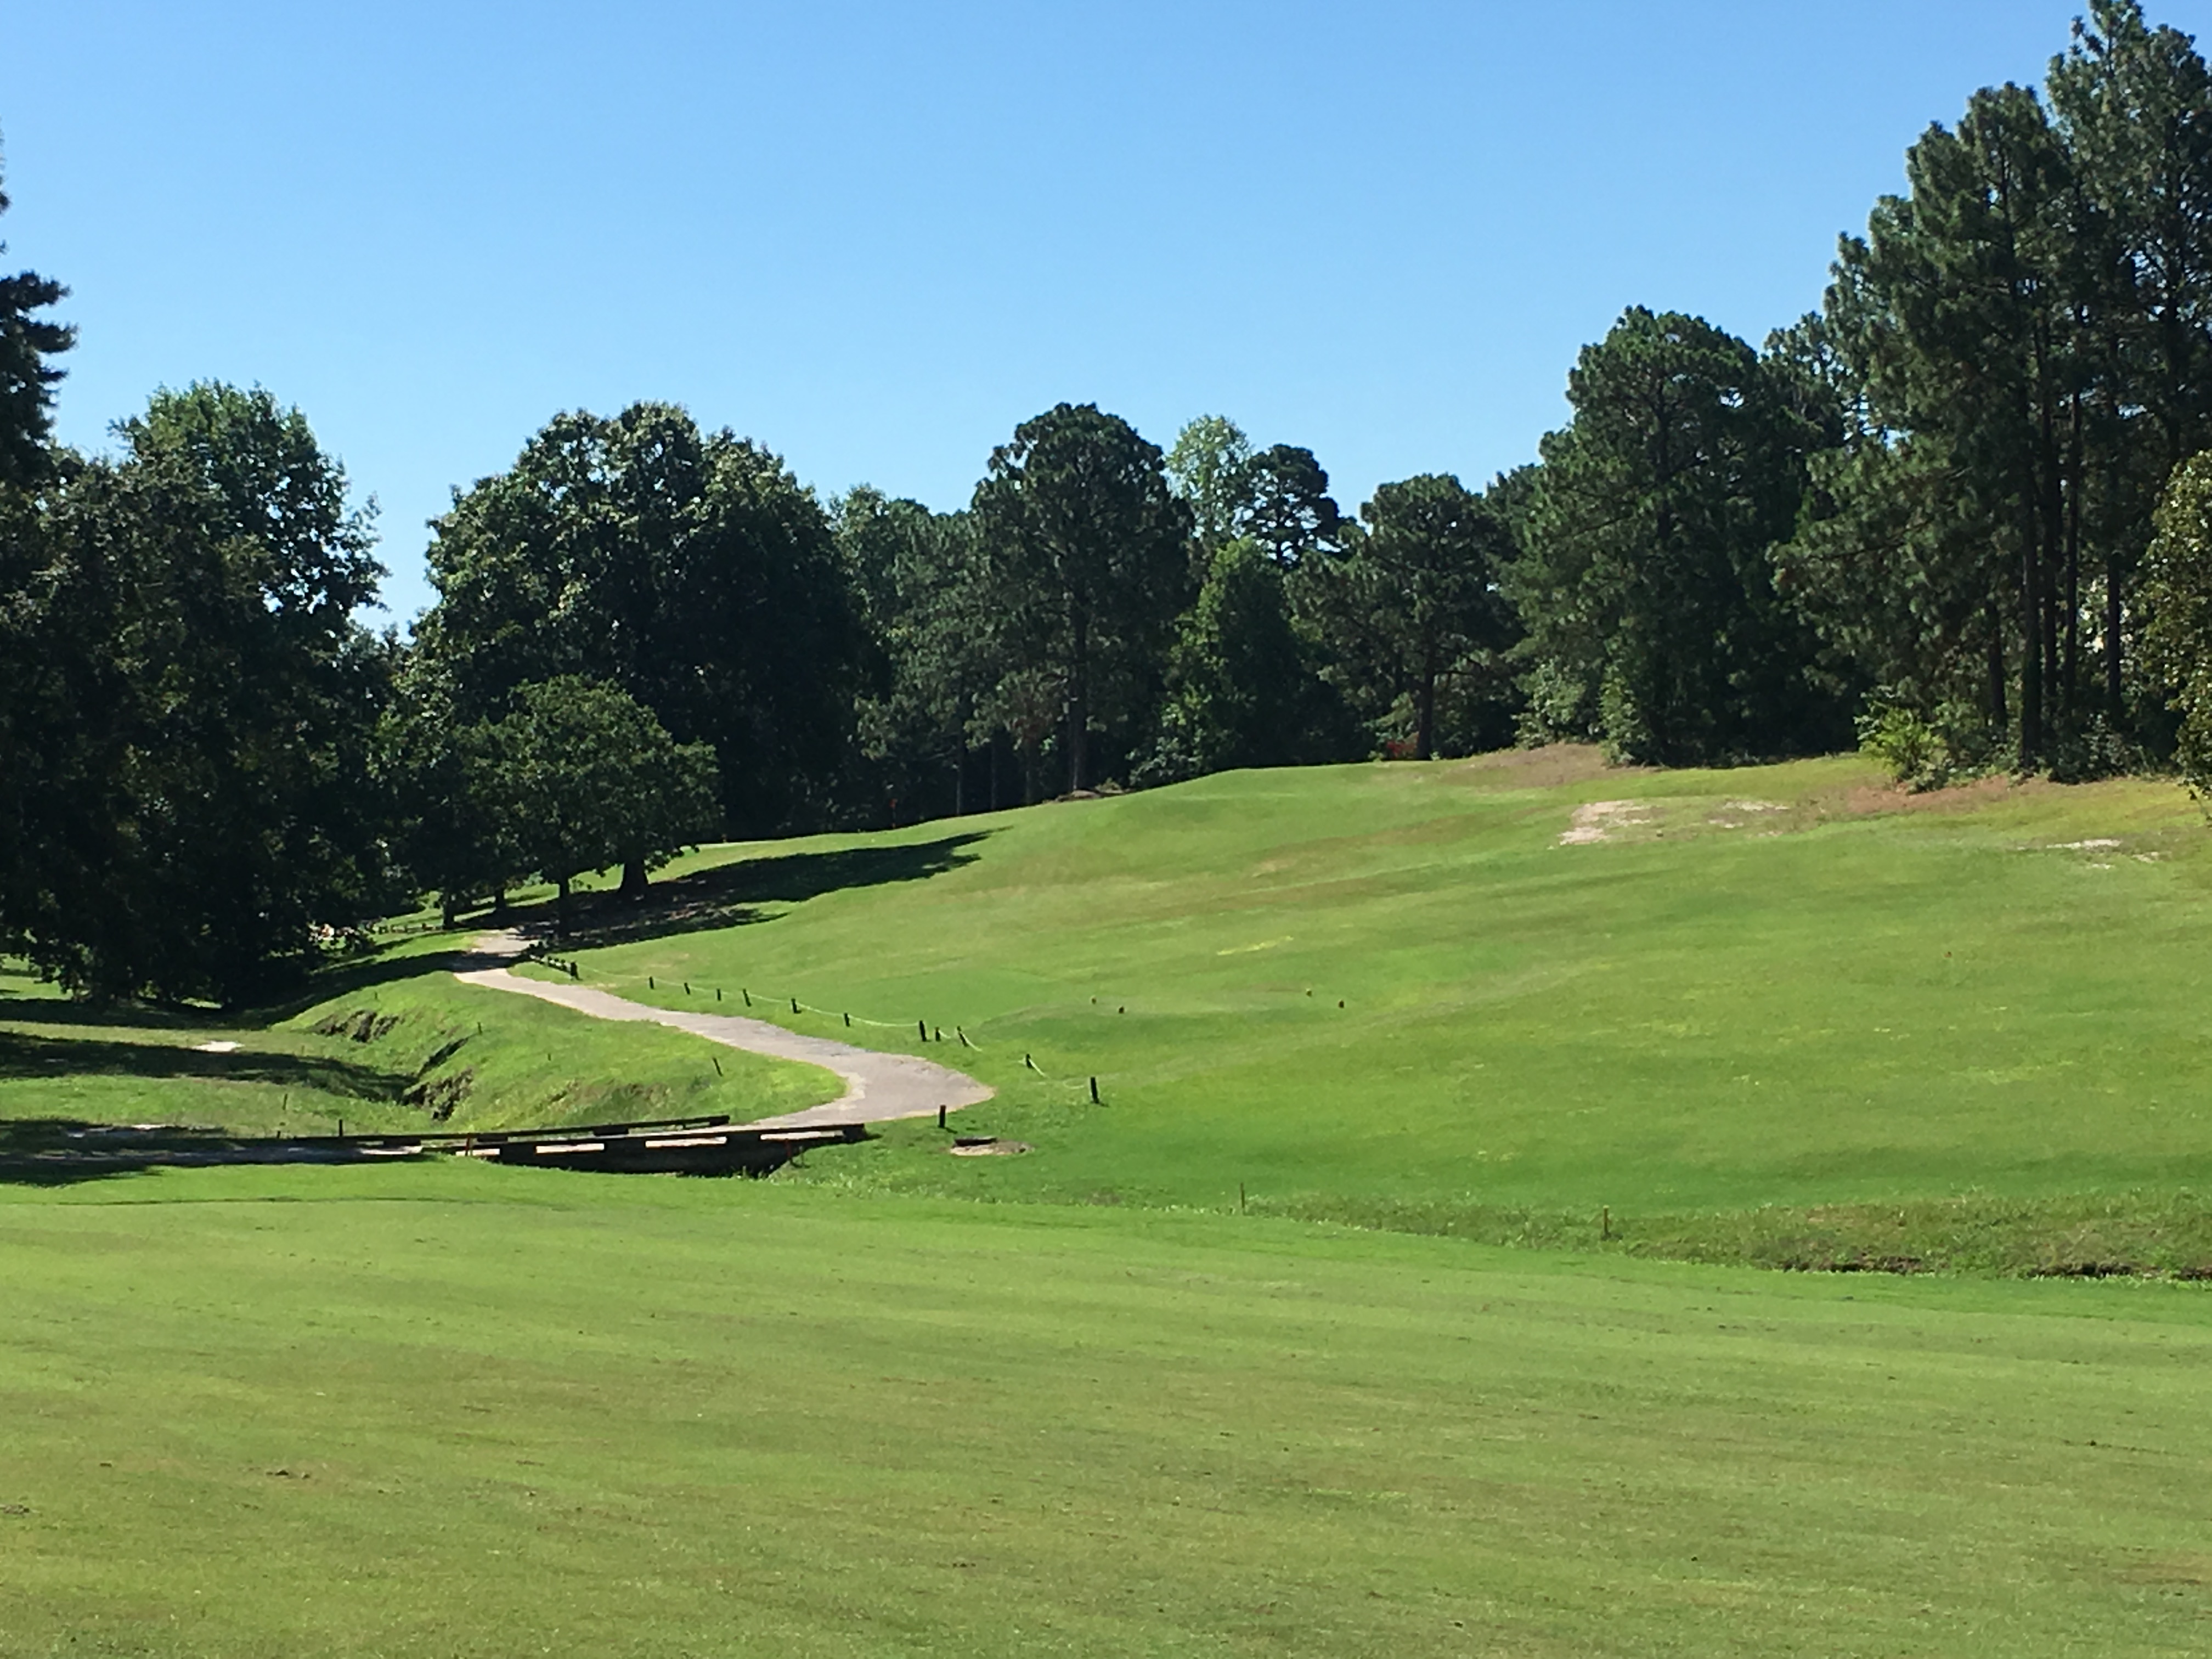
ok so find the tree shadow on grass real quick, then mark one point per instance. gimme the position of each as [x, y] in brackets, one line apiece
[58, 1151]
[24, 1058]
[345, 979]
[733, 895]
[323, 984]
[53, 1152]
[61, 1011]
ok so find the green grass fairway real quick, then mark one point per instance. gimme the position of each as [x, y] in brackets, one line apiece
[448, 1410]
[1775, 986]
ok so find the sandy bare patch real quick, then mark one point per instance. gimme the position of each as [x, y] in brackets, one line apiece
[1600, 820]
[215, 1047]
[1737, 814]
[986, 1146]
[2101, 844]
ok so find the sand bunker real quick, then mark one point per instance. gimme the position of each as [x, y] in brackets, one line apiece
[1598, 820]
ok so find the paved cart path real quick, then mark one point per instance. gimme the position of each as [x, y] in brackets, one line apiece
[879, 1087]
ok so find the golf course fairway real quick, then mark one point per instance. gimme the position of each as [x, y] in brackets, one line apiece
[452, 1410]
[1235, 1359]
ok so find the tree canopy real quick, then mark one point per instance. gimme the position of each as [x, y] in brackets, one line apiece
[1087, 558]
[688, 568]
[1930, 508]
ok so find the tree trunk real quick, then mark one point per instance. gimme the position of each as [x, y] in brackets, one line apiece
[449, 911]
[2071, 681]
[1078, 704]
[2115, 693]
[633, 881]
[1424, 710]
[2031, 654]
[1999, 716]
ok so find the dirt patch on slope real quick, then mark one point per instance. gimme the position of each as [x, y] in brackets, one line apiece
[1603, 820]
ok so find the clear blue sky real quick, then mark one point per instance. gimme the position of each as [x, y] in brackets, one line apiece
[877, 236]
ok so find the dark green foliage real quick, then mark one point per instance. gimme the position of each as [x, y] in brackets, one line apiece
[1415, 618]
[1653, 620]
[2023, 346]
[920, 585]
[1245, 681]
[2178, 594]
[453, 835]
[1085, 555]
[584, 778]
[690, 569]
[188, 720]
[26, 377]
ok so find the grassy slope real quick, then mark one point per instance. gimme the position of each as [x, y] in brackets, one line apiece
[449, 1410]
[1854, 1001]
[403, 1043]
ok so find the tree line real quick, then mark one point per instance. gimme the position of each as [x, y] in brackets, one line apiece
[1960, 515]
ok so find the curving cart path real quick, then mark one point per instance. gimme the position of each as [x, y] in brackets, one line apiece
[879, 1087]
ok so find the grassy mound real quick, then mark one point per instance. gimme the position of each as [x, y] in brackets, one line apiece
[1759, 1013]
[397, 1045]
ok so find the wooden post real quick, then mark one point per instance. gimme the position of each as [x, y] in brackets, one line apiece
[717, 1059]
[1094, 1092]
[1605, 1221]
[940, 1117]
[923, 1030]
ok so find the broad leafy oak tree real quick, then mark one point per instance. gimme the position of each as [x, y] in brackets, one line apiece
[191, 782]
[588, 779]
[688, 568]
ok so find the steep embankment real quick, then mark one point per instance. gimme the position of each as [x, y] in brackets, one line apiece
[394, 1045]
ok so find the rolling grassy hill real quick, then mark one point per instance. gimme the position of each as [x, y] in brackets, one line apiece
[1779, 1016]
[1502, 995]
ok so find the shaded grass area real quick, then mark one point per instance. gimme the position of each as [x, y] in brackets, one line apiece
[452, 1410]
[400, 1046]
[1768, 994]
[2097, 1236]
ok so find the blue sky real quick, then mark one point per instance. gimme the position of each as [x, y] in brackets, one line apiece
[876, 237]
